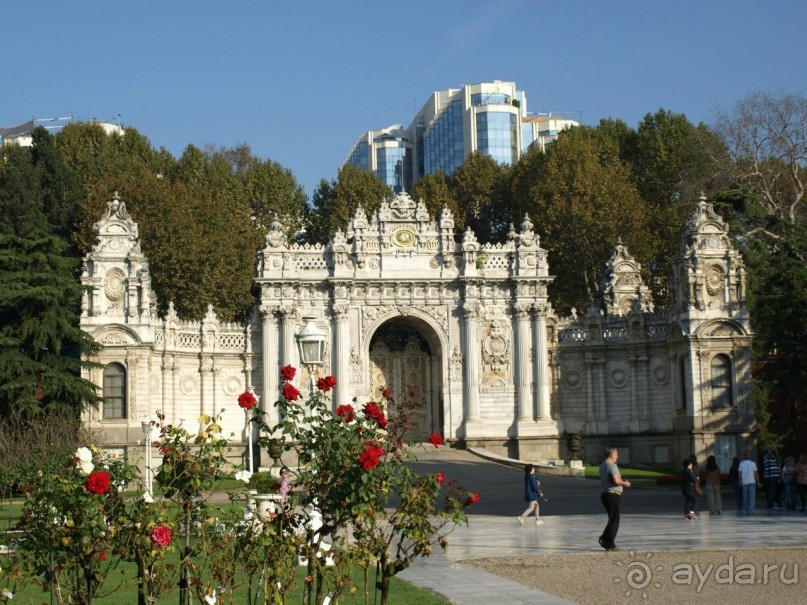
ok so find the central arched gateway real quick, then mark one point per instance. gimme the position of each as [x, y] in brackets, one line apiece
[405, 356]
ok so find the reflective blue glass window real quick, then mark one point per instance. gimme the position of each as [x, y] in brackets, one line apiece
[359, 156]
[490, 98]
[394, 167]
[497, 136]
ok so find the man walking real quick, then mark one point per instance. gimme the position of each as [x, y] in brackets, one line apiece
[612, 484]
[771, 471]
[749, 477]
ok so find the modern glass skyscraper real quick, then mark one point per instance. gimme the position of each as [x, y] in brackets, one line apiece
[490, 117]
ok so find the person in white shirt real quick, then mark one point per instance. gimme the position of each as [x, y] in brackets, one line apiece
[749, 477]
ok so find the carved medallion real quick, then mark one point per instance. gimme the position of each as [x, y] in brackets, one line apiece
[403, 238]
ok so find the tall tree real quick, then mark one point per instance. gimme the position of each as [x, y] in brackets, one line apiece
[334, 202]
[435, 191]
[480, 187]
[41, 345]
[766, 137]
[20, 193]
[582, 204]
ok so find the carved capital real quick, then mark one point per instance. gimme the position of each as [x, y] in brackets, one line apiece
[268, 312]
[472, 310]
[340, 312]
[521, 311]
[286, 312]
[541, 310]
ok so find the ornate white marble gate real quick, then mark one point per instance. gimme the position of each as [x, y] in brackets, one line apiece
[402, 302]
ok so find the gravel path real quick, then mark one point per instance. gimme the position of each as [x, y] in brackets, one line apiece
[715, 577]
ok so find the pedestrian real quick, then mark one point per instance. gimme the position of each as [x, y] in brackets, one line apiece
[714, 498]
[801, 480]
[611, 484]
[688, 482]
[789, 478]
[771, 472]
[285, 484]
[532, 491]
[749, 476]
[697, 472]
[736, 483]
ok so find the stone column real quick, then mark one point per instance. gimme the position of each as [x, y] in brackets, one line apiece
[541, 361]
[341, 358]
[287, 327]
[523, 363]
[473, 368]
[269, 363]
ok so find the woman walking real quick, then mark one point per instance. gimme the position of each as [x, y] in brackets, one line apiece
[736, 482]
[532, 491]
[713, 496]
[688, 489]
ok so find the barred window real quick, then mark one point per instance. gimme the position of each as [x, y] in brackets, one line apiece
[114, 391]
[721, 382]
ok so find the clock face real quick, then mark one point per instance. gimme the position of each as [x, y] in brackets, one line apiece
[403, 238]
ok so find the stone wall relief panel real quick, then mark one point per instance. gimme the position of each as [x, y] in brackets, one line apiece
[496, 356]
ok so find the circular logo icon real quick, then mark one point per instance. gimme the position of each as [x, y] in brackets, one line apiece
[403, 238]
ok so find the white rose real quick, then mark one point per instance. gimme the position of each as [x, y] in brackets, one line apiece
[7, 594]
[86, 467]
[210, 599]
[84, 454]
[244, 476]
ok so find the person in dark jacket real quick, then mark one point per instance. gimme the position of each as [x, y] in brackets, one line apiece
[688, 489]
[736, 482]
[532, 491]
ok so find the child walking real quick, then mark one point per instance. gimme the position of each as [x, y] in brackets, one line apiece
[532, 491]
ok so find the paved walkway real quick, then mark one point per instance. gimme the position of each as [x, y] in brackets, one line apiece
[491, 536]
[651, 521]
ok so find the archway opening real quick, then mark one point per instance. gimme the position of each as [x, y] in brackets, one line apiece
[405, 357]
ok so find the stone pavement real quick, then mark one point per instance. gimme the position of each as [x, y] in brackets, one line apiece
[491, 536]
[652, 520]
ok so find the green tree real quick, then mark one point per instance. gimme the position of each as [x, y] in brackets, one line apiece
[273, 189]
[481, 191]
[435, 191]
[41, 346]
[334, 202]
[582, 202]
[20, 193]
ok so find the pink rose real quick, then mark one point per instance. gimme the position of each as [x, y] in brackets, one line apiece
[161, 536]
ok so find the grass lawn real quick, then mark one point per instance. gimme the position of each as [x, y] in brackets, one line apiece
[401, 592]
[639, 477]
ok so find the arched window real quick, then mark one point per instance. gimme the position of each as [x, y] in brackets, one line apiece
[721, 382]
[114, 391]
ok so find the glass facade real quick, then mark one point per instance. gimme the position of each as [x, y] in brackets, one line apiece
[490, 98]
[394, 167]
[359, 156]
[527, 137]
[443, 146]
[497, 136]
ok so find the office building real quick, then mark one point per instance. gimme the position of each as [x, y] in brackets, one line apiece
[490, 117]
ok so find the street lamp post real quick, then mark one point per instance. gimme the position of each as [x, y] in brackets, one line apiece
[249, 431]
[145, 424]
[312, 347]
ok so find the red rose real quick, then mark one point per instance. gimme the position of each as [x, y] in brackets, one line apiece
[472, 499]
[369, 458]
[371, 411]
[287, 373]
[290, 393]
[326, 384]
[97, 483]
[160, 536]
[346, 412]
[101, 556]
[386, 393]
[435, 439]
[441, 476]
[246, 400]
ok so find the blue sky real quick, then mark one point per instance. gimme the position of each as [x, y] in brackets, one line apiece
[299, 81]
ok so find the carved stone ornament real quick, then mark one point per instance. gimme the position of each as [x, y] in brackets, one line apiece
[618, 376]
[572, 376]
[496, 349]
[714, 280]
[660, 373]
[456, 365]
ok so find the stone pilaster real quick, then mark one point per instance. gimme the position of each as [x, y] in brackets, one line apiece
[473, 369]
[341, 360]
[545, 425]
[269, 364]
[523, 364]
